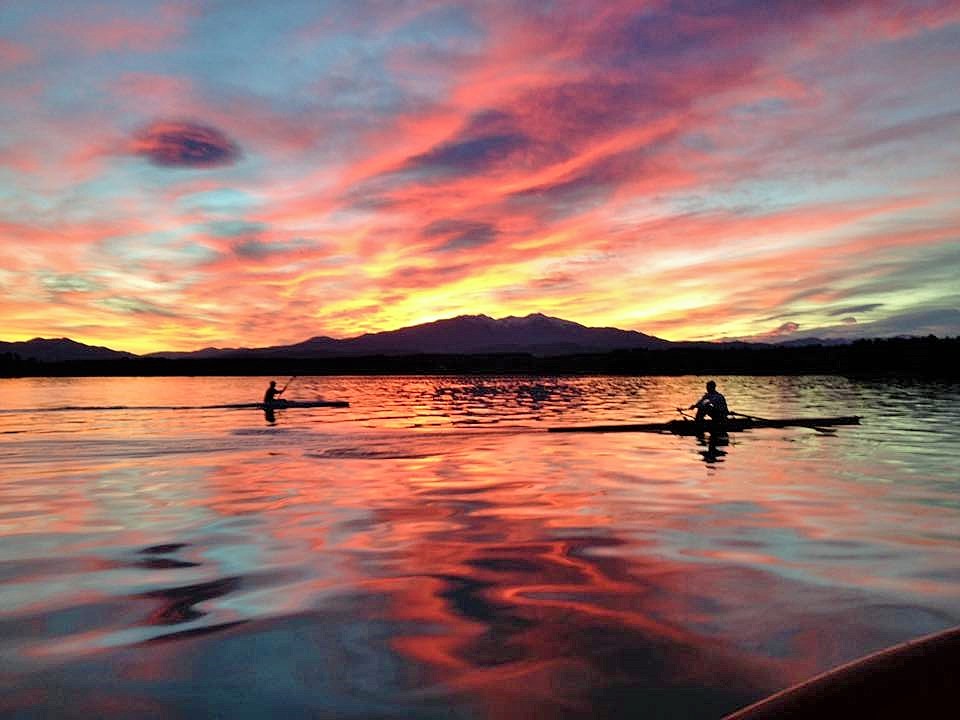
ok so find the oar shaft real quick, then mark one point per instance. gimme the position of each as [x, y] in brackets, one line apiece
[798, 424]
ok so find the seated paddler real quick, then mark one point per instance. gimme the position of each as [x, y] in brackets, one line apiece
[712, 405]
[270, 396]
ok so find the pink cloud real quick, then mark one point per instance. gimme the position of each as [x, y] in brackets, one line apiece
[908, 19]
[96, 29]
[154, 93]
[13, 54]
[20, 159]
[788, 328]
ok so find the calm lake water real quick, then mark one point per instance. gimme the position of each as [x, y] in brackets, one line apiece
[432, 552]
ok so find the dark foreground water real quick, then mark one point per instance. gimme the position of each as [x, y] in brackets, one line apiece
[432, 552]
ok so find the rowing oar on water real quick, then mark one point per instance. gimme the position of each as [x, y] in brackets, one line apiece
[828, 431]
[292, 378]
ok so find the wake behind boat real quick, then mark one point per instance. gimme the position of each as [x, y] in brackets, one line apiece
[734, 423]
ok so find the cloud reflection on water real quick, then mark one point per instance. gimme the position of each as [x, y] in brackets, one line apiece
[350, 564]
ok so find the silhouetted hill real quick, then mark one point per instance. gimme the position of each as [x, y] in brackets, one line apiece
[208, 352]
[480, 344]
[467, 335]
[928, 357]
[476, 334]
[60, 350]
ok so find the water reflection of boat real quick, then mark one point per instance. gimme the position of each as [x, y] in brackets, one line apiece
[713, 442]
[733, 424]
[917, 679]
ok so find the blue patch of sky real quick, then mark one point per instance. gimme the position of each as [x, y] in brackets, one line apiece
[240, 45]
[68, 282]
[897, 81]
[17, 18]
[892, 90]
[284, 54]
[767, 106]
[772, 195]
[171, 246]
[137, 174]
[236, 50]
[310, 57]
[920, 72]
[234, 228]
[133, 306]
[435, 36]
[11, 191]
[877, 132]
[80, 74]
[221, 202]
[81, 202]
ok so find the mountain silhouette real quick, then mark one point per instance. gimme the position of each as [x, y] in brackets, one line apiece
[464, 335]
[60, 350]
[535, 334]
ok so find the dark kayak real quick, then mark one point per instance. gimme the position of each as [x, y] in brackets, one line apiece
[733, 424]
[282, 404]
[917, 679]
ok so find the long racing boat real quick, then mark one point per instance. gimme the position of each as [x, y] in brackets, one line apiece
[281, 404]
[732, 424]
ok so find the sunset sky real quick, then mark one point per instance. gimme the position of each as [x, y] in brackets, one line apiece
[175, 175]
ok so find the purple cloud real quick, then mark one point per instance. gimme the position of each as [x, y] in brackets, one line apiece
[788, 328]
[184, 144]
[850, 309]
[460, 234]
[470, 155]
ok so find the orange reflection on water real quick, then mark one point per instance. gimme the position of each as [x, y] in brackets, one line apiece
[507, 571]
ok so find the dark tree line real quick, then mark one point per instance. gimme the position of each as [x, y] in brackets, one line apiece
[914, 357]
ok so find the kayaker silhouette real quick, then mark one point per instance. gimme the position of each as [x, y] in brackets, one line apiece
[270, 396]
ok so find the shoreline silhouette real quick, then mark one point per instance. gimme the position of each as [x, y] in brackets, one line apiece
[904, 357]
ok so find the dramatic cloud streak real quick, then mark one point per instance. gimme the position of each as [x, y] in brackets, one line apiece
[175, 174]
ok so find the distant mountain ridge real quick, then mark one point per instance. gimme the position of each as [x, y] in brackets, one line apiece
[535, 334]
[466, 334]
[60, 350]
[463, 335]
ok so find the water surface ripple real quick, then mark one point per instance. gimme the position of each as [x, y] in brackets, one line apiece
[432, 552]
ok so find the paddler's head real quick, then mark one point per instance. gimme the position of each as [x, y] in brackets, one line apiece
[711, 386]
